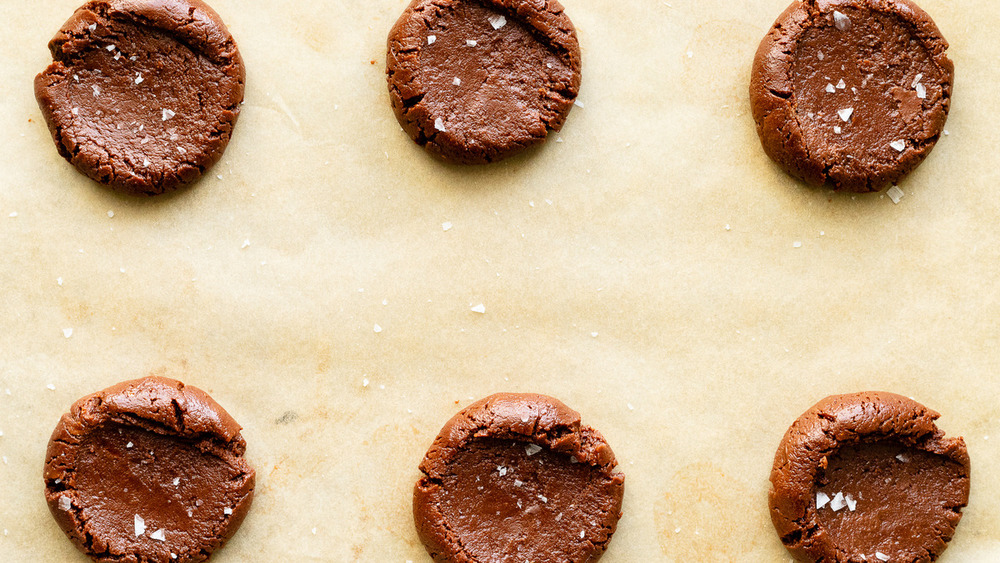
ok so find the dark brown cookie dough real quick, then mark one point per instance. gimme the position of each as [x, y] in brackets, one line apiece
[148, 471]
[868, 477]
[476, 81]
[854, 93]
[142, 95]
[517, 477]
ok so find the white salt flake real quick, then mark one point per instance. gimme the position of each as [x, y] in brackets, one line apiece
[75, 111]
[129, 445]
[140, 526]
[895, 194]
[96, 89]
[158, 535]
[532, 449]
[822, 499]
[167, 114]
[543, 498]
[838, 502]
[92, 26]
[110, 214]
[852, 504]
[365, 382]
[820, 55]
[67, 332]
[916, 80]
[50, 387]
[841, 85]
[246, 243]
[881, 556]
[498, 21]
[65, 503]
[177, 481]
[837, 129]
[446, 226]
[845, 114]
[182, 150]
[902, 458]
[59, 281]
[518, 482]
[481, 309]
[377, 329]
[431, 39]
[830, 87]
[471, 42]
[582, 534]
[840, 20]
[227, 511]
[502, 470]
[578, 103]
[110, 48]
[457, 81]
[145, 162]
[439, 125]
[899, 145]
[138, 78]
[921, 91]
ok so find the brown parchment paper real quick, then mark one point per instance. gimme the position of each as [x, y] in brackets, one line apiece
[649, 266]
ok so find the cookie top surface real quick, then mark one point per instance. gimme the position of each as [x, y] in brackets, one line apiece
[517, 475]
[142, 96]
[148, 471]
[851, 93]
[476, 81]
[868, 477]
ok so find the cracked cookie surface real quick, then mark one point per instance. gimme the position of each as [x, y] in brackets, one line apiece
[868, 477]
[148, 471]
[851, 93]
[517, 477]
[477, 81]
[142, 96]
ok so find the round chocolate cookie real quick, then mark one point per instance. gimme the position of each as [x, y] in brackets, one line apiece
[868, 477]
[517, 477]
[476, 81]
[142, 95]
[148, 471]
[854, 93]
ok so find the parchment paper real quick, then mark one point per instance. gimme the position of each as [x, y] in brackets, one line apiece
[649, 266]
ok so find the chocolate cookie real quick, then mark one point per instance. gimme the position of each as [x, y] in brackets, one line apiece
[868, 477]
[148, 471]
[142, 95]
[854, 93]
[516, 477]
[476, 81]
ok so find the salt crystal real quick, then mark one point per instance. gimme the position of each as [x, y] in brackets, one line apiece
[158, 535]
[65, 503]
[182, 150]
[145, 162]
[50, 387]
[67, 332]
[498, 21]
[431, 39]
[851, 503]
[582, 534]
[76, 77]
[845, 114]
[502, 470]
[377, 329]
[840, 20]
[841, 85]
[837, 129]
[227, 511]
[822, 499]
[532, 449]
[111, 213]
[481, 309]
[110, 48]
[129, 445]
[471, 42]
[439, 125]
[921, 91]
[881, 556]
[518, 482]
[559, 516]
[75, 111]
[594, 334]
[895, 194]
[830, 87]
[364, 382]
[140, 526]
[138, 78]
[446, 226]
[97, 90]
[543, 498]
[578, 103]
[524, 418]
[903, 458]
[916, 80]
[899, 145]
[838, 502]
[92, 26]
[797, 244]
[167, 114]
[177, 481]
[457, 81]
[820, 55]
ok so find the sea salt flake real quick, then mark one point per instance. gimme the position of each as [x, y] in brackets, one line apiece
[837, 129]
[838, 502]
[578, 103]
[845, 114]
[129, 445]
[75, 111]
[158, 535]
[841, 85]
[481, 309]
[881, 556]
[852, 504]
[246, 243]
[921, 91]
[67, 332]
[471, 42]
[439, 125]
[899, 145]
[65, 503]
[111, 214]
[182, 150]
[138, 78]
[92, 26]
[50, 387]
[377, 329]
[916, 80]
[167, 114]
[518, 482]
[895, 194]
[140, 526]
[830, 87]
[145, 162]
[543, 498]
[902, 458]
[446, 226]
[582, 534]
[532, 449]
[177, 481]
[227, 511]
[822, 499]
[457, 81]
[498, 21]
[502, 470]
[820, 55]
[431, 39]
[840, 20]
[110, 48]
